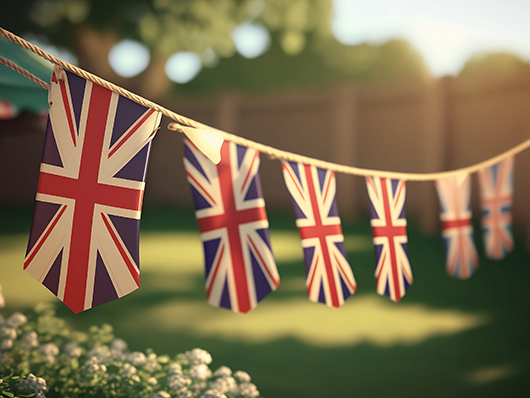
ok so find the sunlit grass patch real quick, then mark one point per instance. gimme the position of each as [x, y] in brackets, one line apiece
[366, 319]
[18, 286]
[182, 251]
[490, 374]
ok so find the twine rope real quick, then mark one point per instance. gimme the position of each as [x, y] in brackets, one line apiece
[24, 72]
[268, 150]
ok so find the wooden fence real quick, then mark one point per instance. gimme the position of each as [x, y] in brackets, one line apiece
[438, 125]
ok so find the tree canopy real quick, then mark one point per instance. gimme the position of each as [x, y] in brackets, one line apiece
[303, 50]
[168, 26]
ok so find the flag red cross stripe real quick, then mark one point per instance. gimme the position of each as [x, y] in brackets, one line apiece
[458, 223]
[320, 231]
[131, 132]
[87, 192]
[231, 219]
[390, 231]
[64, 95]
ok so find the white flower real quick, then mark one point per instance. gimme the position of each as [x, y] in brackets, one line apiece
[50, 351]
[225, 384]
[161, 394]
[101, 352]
[118, 345]
[174, 369]
[92, 361]
[90, 369]
[128, 370]
[35, 384]
[242, 377]
[137, 358]
[178, 382]
[8, 333]
[198, 387]
[198, 356]
[93, 365]
[30, 338]
[223, 371]
[135, 378]
[152, 381]
[6, 344]
[248, 390]
[73, 350]
[213, 393]
[200, 372]
[17, 319]
[151, 364]
[185, 394]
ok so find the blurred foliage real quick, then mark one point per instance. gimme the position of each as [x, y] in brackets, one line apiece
[498, 65]
[319, 65]
[303, 51]
[168, 26]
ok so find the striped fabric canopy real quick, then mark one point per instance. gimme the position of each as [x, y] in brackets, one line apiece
[16, 92]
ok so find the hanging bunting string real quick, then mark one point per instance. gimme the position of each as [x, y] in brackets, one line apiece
[25, 73]
[268, 150]
[102, 82]
[339, 168]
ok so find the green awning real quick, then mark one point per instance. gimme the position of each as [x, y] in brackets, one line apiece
[22, 93]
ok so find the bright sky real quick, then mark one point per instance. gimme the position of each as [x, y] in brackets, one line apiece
[446, 32]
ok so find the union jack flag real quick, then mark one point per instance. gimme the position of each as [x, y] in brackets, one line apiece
[83, 244]
[389, 227]
[329, 278]
[457, 231]
[240, 268]
[496, 188]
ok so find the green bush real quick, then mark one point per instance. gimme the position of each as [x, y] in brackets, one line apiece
[41, 356]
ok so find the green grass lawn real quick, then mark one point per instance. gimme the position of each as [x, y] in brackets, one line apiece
[446, 338]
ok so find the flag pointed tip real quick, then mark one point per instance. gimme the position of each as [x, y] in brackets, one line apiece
[207, 141]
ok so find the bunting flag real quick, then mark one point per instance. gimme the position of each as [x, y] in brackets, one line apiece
[457, 231]
[83, 244]
[7, 110]
[496, 189]
[329, 278]
[389, 227]
[240, 268]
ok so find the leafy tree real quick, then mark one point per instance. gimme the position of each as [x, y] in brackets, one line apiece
[318, 65]
[493, 65]
[303, 52]
[90, 28]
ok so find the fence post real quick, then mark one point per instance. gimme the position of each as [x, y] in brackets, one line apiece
[435, 145]
[227, 112]
[345, 109]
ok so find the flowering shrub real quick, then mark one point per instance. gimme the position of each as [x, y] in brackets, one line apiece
[41, 357]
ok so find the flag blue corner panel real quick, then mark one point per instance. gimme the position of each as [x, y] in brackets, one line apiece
[240, 269]
[84, 240]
